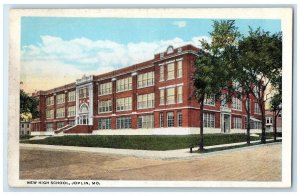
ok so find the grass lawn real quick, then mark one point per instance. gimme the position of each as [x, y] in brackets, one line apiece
[153, 142]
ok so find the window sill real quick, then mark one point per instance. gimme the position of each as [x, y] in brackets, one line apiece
[104, 94]
[145, 86]
[170, 103]
[123, 110]
[236, 110]
[104, 112]
[123, 91]
[170, 79]
[144, 108]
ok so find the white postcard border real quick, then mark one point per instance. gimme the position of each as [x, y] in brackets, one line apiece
[284, 14]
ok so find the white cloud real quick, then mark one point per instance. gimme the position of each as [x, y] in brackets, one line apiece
[55, 61]
[180, 24]
[44, 75]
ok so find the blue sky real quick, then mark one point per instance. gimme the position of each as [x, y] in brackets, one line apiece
[65, 47]
[127, 30]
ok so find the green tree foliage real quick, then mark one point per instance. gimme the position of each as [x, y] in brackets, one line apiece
[28, 105]
[261, 58]
[213, 65]
[276, 102]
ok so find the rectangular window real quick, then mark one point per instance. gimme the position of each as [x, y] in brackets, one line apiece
[257, 108]
[60, 125]
[145, 101]
[124, 84]
[146, 79]
[105, 89]
[49, 114]
[146, 121]
[269, 120]
[162, 97]
[71, 111]
[179, 69]
[170, 95]
[124, 104]
[83, 92]
[170, 70]
[255, 124]
[179, 94]
[123, 122]
[161, 73]
[209, 120]
[49, 127]
[161, 119]
[179, 119]
[104, 123]
[224, 101]
[237, 122]
[71, 96]
[105, 106]
[209, 100]
[50, 100]
[170, 119]
[236, 103]
[60, 113]
[60, 98]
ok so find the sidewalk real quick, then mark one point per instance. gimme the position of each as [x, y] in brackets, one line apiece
[169, 154]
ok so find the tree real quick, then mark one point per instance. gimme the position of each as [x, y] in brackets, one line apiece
[276, 102]
[261, 53]
[213, 66]
[28, 105]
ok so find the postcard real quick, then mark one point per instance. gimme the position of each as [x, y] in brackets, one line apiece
[164, 97]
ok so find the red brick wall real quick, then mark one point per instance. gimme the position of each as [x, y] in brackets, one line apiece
[190, 116]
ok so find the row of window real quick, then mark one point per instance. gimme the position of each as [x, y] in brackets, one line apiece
[144, 80]
[61, 98]
[23, 125]
[236, 103]
[125, 84]
[170, 95]
[145, 121]
[60, 113]
[170, 71]
[143, 101]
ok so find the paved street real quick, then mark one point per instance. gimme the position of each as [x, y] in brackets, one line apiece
[261, 163]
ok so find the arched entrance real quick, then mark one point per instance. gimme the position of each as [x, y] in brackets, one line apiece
[83, 118]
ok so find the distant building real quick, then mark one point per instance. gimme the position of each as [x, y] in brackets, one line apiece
[25, 128]
[270, 121]
[152, 97]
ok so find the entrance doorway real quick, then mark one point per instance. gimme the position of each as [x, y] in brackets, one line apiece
[83, 119]
[225, 126]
